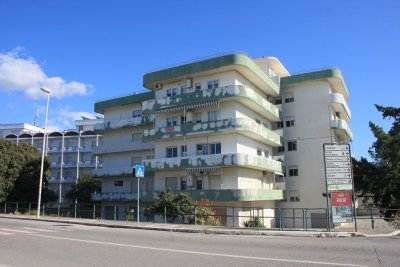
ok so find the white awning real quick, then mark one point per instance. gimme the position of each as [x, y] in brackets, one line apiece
[187, 106]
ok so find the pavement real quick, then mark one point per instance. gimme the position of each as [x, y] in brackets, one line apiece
[363, 229]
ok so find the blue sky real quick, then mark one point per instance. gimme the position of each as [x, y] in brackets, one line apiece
[86, 51]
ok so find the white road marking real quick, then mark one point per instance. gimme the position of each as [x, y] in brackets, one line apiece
[16, 231]
[202, 253]
[39, 229]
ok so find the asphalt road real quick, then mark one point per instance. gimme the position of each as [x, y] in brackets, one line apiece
[41, 243]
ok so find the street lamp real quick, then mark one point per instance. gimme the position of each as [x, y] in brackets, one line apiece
[43, 148]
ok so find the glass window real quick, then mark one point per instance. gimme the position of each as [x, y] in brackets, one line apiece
[197, 86]
[279, 124]
[293, 171]
[215, 148]
[290, 123]
[294, 195]
[212, 84]
[137, 113]
[183, 151]
[171, 92]
[292, 145]
[213, 115]
[289, 100]
[172, 152]
[172, 121]
[118, 183]
[201, 149]
[259, 152]
[199, 183]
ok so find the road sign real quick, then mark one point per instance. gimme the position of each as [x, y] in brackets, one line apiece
[139, 171]
[338, 171]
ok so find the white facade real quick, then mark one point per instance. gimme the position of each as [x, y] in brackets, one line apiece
[69, 152]
[242, 133]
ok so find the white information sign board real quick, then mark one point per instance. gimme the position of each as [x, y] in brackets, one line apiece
[338, 171]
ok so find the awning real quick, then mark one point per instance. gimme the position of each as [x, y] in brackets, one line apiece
[203, 169]
[187, 106]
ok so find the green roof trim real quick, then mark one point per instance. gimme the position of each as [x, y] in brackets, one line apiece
[241, 60]
[333, 75]
[121, 101]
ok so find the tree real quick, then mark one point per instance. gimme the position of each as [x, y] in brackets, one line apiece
[83, 190]
[380, 179]
[175, 206]
[19, 172]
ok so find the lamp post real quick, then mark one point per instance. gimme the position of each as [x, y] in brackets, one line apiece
[43, 148]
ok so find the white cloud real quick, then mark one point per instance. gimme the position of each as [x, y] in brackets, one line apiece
[21, 73]
[64, 119]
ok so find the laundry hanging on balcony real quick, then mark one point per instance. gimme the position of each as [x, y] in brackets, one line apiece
[187, 106]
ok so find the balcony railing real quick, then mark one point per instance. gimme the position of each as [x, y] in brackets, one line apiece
[342, 129]
[202, 98]
[124, 123]
[214, 161]
[113, 171]
[211, 194]
[249, 126]
[339, 104]
[121, 147]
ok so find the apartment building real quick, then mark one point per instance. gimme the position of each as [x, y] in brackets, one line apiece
[121, 149]
[210, 134]
[314, 112]
[69, 152]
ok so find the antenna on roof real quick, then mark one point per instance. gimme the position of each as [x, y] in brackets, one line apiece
[36, 116]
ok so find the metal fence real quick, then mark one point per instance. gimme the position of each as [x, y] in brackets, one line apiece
[255, 217]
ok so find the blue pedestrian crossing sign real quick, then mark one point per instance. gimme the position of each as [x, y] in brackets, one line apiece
[139, 171]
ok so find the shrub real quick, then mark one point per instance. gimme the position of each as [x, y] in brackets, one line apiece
[253, 223]
[396, 220]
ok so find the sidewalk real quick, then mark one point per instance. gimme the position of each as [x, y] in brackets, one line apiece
[205, 229]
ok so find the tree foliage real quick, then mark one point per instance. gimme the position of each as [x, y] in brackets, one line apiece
[20, 172]
[380, 179]
[175, 205]
[83, 190]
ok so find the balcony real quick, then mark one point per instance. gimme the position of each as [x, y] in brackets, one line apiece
[339, 104]
[214, 161]
[113, 171]
[66, 180]
[212, 195]
[203, 98]
[114, 196]
[342, 130]
[124, 123]
[121, 147]
[247, 127]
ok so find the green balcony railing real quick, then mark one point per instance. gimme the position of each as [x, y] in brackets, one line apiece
[124, 123]
[201, 98]
[258, 131]
[210, 194]
[214, 161]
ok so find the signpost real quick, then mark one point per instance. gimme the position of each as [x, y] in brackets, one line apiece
[339, 182]
[139, 174]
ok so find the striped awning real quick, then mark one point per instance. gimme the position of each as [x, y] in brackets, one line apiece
[187, 106]
[203, 169]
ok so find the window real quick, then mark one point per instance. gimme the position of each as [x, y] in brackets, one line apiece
[183, 184]
[171, 92]
[215, 148]
[213, 115]
[171, 183]
[278, 101]
[197, 86]
[136, 137]
[294, 195]
[289, 99]
[183, 151]
[266, 153]
[137, 113]
[199, 183]
[197, 117]
[281, 149]
[172, 121]
[279, 124]
[212, 84]
[183, 120]
[172, 152]
[201, 149]
[259, 152]
[118, 183]
[292, 145]
[290, 123]
[293, 171]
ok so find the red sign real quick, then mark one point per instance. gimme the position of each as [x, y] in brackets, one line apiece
[341, 198]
